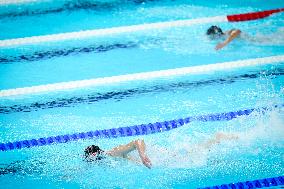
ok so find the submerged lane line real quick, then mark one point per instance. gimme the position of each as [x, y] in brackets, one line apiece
[143, 76]
[109, 31]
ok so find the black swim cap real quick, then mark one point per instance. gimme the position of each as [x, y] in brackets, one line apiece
[93, 149]
[213, 30]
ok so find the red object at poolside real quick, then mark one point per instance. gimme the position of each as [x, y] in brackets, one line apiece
[252, 16]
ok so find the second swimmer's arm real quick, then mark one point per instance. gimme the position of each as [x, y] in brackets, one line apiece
[232, 35]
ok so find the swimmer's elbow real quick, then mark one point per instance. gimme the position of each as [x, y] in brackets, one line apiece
[138, 142]
[237, 32]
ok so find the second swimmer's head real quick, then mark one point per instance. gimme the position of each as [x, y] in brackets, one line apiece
[214, 31]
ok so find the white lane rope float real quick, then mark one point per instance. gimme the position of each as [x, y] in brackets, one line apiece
[136, 28]
[108, 31]
[8, 2]
[202, 69]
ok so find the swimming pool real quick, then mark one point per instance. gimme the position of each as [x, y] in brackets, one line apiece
[258, 154]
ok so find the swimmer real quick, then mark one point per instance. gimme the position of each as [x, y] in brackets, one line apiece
[216, 32]
[94, 153]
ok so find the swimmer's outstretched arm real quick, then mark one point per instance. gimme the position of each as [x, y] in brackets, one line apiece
[232, 35]
[123, 150]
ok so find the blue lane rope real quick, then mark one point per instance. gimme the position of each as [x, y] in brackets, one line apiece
[135, 130]
[260, 183]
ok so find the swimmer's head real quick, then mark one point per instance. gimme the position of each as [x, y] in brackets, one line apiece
[214, 31]
[93, 153]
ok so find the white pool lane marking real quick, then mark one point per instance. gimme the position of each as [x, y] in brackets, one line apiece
[203, 69]
[109, 31]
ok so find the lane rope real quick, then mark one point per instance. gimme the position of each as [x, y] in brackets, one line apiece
[109, 31]
[252, 15]
[259, 183]
[92, 98]
[136, 130]
[8, 2]
[135, 28]
[143, 76]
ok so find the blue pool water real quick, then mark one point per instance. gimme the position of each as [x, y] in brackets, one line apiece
[259, 153]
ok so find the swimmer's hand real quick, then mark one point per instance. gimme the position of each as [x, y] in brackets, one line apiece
[146, 161]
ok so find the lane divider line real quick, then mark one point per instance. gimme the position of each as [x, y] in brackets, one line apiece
[109, 31]
[143, 129]
[259, 183]
[8, 2]
[135, 28]
[143, 76]
[92, 98]
[252, 15]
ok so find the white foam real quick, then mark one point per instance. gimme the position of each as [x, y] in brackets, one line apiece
[275, 38]
[267, 128]
[182, 152]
